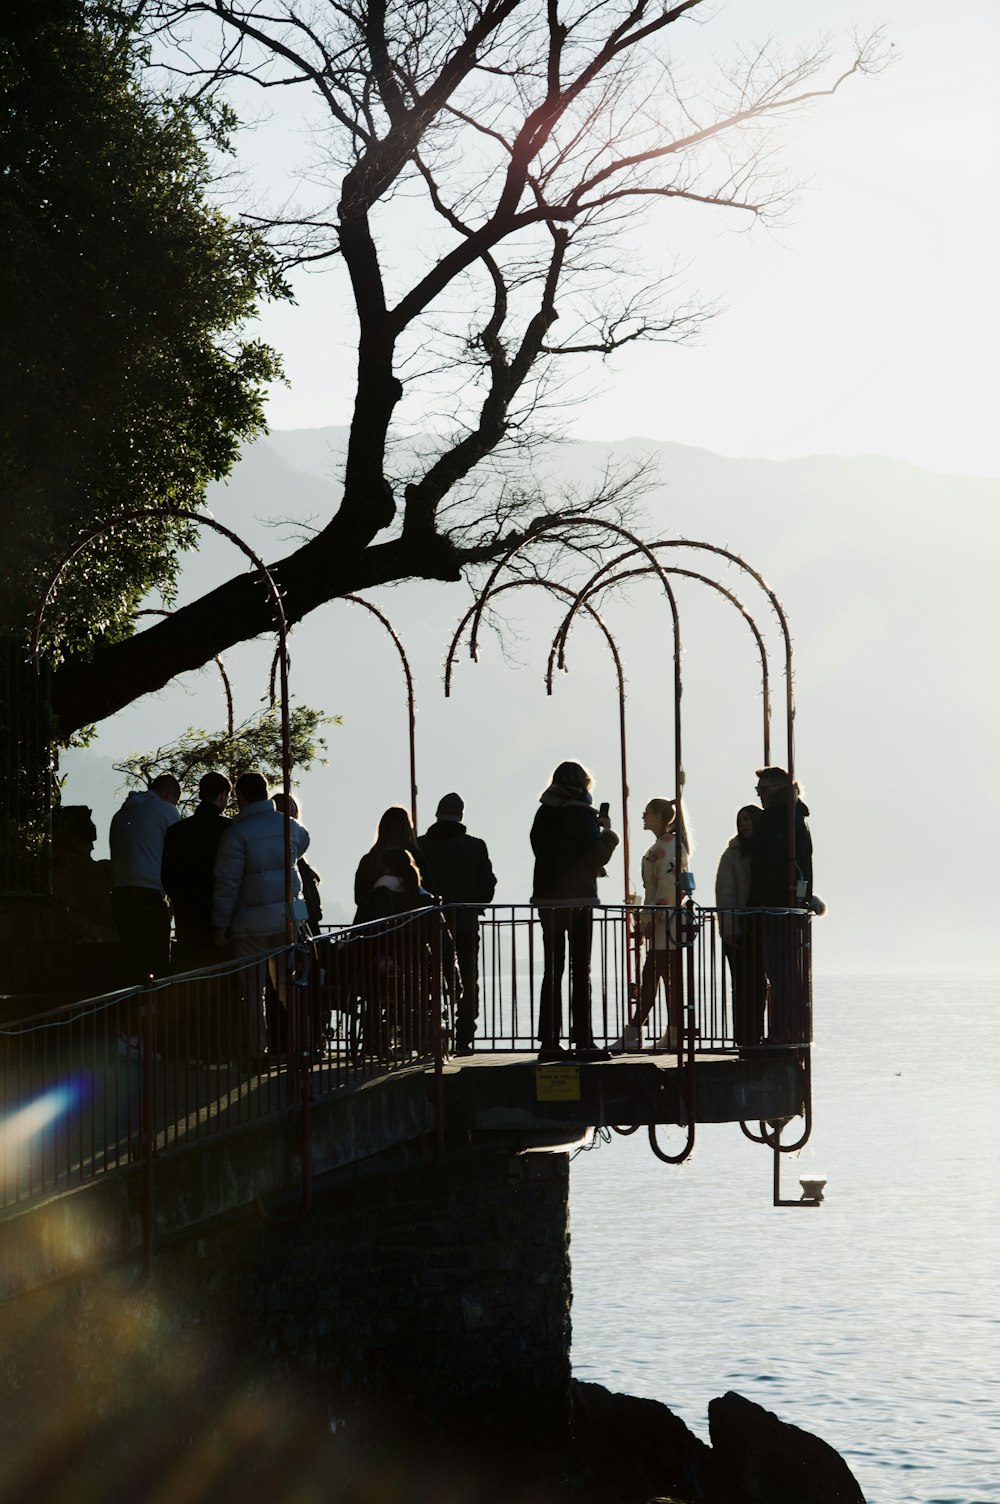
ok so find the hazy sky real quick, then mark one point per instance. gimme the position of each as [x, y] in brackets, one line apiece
[864, 327]
[866, 323]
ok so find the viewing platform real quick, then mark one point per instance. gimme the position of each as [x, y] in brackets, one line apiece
[158, 1107]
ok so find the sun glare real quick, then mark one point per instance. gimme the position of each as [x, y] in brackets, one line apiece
[21, 1126]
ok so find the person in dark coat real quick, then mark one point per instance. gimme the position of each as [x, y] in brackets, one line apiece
[774, 882]
[397, 969]
[457, 867]
[740, 931]
[780, 879]
[189, 851]
[395, 831]
[571, 845]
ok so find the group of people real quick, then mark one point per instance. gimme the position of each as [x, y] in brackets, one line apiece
[766, 866]
[445, 865]
[223, 881]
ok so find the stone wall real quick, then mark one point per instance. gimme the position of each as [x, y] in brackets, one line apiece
[432, 1290]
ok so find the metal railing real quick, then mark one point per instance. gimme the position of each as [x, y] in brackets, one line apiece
[99, 1085]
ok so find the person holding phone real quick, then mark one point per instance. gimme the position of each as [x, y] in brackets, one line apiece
[572, 845]
[662, 864]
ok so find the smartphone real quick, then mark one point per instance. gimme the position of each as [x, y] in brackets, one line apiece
[604, 808]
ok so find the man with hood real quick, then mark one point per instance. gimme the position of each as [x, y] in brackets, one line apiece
[572, 845]
[457, 867]
[138, 906]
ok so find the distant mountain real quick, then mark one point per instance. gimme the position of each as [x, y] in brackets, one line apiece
[887, 574]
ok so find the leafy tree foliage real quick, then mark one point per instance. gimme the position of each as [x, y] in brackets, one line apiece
[253, 747]
[125, 379]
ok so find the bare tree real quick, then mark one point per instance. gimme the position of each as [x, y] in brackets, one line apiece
[486, 162]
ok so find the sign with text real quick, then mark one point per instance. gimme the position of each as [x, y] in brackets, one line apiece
[557, 1083]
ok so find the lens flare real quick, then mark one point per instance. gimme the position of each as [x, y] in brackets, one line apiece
[20, 1127]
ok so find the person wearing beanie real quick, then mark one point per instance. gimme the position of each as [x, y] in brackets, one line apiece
[571, 844]
[457, 867]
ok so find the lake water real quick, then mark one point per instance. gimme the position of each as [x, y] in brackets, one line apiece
[873, 1322]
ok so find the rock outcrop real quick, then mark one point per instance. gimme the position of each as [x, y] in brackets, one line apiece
[763, 1460]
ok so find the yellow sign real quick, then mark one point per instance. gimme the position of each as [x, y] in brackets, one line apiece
[557, 1083]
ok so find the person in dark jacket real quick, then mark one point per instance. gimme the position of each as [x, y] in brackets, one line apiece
[457, 867]
[740, 931]
[782, 879]
[774, 881]
[571, 845]
[397, 965]
[189, 851]
[395, 831]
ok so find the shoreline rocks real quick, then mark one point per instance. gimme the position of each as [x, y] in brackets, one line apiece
[642, 1452]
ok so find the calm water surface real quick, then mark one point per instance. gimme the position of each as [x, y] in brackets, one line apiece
[873, 1322]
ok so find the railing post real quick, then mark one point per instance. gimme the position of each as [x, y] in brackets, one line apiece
[147, 1122]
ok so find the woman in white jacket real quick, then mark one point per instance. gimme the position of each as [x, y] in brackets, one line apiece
[740, 941]
[660, 870]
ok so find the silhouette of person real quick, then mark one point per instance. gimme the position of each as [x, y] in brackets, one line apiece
[571, 844]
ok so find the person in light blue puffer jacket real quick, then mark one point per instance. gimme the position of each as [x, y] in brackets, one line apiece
[248, 904]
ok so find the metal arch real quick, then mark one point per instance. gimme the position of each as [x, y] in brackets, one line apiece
[715, 585]
[226, 685]
[655, 566]
[583, 599]
[553, 585]
[600, 580]
[638, 546]
[299, 1075]
[359, 600]
[773, 1140]
[184, 514]
[672, 1159]
[776, 605]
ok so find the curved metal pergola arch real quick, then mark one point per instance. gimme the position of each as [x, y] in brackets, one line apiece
[300, 1076]
[595, 616]
[184, 514]
[358, 600]
[603, 578]
[226, 685]
[638, 546]
[779, 611]
[583, 596]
